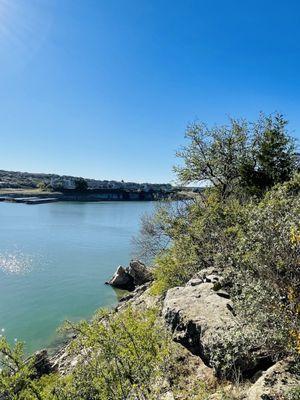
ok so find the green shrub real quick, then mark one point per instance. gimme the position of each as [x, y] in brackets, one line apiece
[294, 394]
[268, 260]
[122, 356]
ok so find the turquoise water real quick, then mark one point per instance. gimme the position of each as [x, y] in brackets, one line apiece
[54, 260]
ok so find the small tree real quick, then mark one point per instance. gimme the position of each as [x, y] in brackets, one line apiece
[272, 158]
[81, 185]
[240, 155]
[214, 155]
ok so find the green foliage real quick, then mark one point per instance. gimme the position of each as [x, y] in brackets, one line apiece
[121, 355]
[125, 354]
[269, 250]
[175, 267]
[272, 158]
[204, 237]
[214, 155]
[17, 374]
[294, 394]
[81, 185]
[240, 156]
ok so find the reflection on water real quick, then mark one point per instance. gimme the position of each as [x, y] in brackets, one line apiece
[16, 262]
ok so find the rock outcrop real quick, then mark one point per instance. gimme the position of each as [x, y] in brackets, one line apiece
[274, 383]
[42, 363]
[195, 313]
[129, 278]
[200, 315]
[139, 272]
[64, 360]
[121, 279]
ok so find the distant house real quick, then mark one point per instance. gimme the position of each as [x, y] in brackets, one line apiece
[62, 182]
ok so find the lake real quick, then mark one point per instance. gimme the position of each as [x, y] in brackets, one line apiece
[54, 260]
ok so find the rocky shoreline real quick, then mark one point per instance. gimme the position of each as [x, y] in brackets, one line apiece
[193, 314]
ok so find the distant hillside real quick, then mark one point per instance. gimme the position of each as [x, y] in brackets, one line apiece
[27, 180]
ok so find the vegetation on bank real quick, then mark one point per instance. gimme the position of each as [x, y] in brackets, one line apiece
[246, 225]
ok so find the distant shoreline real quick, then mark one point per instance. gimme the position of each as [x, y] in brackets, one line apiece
[16, 195]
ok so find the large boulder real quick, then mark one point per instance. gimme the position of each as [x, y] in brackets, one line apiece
[195, 313]
[129, 278]
[139, 272]
[202, 318]
[275, 383]
[121, 279]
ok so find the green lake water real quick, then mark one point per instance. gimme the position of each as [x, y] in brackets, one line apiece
[54, 260]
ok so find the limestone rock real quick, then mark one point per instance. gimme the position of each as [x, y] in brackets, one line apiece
[128, 278]
[275, 382]
[139, 272]
[141, 299]
[194, 282]
[212, 278]
[208, 275]
[121, 279]
[200, 317]
[194, 313]
[64, 360]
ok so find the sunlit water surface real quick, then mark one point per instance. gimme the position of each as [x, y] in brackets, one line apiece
[54, 260]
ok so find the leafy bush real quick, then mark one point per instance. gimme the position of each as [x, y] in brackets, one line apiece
[18, 375]
[121, 355]
[269, 251]
[207, 237]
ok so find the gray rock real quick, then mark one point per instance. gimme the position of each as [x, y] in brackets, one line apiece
[212, 278]
[208, 275]
[223, 293]
[121, 279]
[200, 318]
[139, 272]
[167, 396]
[194, 282]
[275, 383]
[194, 313]
[207, 272]
[128, 278]
[64, 360]
[142, 299]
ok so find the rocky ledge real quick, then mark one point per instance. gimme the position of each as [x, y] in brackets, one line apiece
[194, 314]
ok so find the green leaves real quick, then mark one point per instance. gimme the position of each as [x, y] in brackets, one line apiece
[241, 155]
[124, 355]
[16, 376]
[121, 356]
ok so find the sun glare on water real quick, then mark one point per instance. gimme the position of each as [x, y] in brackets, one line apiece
[16, 263]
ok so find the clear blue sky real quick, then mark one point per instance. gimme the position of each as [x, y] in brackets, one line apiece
[105, 88]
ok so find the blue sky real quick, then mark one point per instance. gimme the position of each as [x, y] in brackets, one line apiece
[105, 89]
